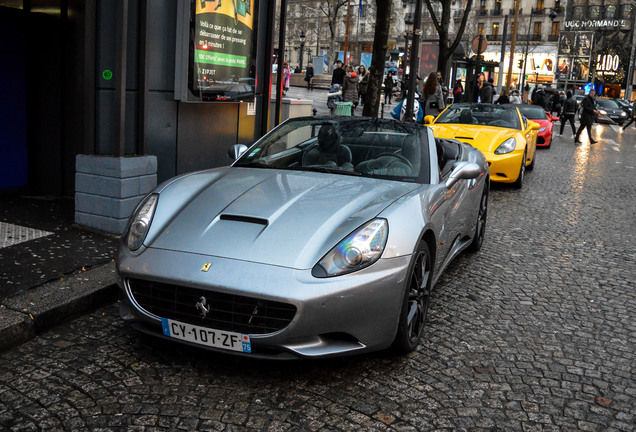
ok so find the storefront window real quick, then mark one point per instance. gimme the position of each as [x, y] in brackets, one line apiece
[610, 12]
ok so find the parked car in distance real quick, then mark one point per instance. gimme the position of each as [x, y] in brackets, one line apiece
[610, 112]
[543, 118]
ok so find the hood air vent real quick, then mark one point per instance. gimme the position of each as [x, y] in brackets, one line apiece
[246, 219]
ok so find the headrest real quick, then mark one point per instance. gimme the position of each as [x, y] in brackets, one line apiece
[328, 139]
[410, 148]
[466, 116]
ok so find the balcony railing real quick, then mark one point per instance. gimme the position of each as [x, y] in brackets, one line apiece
[531, 38]
[496, 12]
[553, 37]
[483, 12]
[491, 37]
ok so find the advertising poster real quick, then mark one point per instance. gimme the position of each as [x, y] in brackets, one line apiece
[564, 67]
[583, 44]
[581, 69]
[223, 50]
[566, 43]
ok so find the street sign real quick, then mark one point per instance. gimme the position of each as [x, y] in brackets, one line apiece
[484, 44]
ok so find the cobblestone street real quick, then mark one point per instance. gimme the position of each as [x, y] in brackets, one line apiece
[536, 332]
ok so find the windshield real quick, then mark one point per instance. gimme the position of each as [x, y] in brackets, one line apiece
[607, 103]
[533, 112]
[481, 114]
[358, 146]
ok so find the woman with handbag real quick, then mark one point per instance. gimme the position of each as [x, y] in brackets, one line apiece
[433, 97]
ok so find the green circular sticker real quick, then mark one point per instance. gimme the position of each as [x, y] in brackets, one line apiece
[107, 74]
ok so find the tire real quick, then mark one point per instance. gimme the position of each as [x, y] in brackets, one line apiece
[416, 299]
[518, 184]
[480, 225]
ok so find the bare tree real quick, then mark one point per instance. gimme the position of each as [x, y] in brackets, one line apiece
[442, 25]
[331, 10]
[380, 47]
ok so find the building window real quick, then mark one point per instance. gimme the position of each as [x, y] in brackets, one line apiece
[626, 11]
[578, 12]
[362, 29]
[556, 27]
[610, 12]
[595, 12]
[540, 4]
[537, 31]
[480, 28]
[482, 7]
[495, 29]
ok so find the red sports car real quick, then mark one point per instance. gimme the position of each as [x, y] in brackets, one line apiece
[538, 115]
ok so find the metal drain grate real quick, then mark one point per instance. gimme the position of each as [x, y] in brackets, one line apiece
[13, 234]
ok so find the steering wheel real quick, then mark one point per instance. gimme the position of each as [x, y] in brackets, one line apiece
[398, 156]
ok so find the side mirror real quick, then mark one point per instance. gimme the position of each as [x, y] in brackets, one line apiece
[429, 119]
[236, 151]
[534, 126]
[555, 119]
[463, 170]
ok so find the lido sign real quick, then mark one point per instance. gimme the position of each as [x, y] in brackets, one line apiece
[591, 24]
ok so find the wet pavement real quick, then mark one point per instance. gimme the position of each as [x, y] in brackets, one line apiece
[536, 332]
[39, 243]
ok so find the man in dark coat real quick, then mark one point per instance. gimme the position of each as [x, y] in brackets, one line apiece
[309, 76]
[569, 111]
[588, 111]
[338, 74]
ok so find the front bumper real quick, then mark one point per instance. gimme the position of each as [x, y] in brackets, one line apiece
[342, 315]
[504, 168]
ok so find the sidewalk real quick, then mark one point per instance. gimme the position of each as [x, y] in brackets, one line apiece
[319, 100]
[50, 270]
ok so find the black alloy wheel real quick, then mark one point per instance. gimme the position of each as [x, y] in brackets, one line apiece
[416, 300]
[480, 226]
[522, 170]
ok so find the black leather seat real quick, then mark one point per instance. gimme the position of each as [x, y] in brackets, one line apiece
[447, 151]
[329, 151]
[466, 116]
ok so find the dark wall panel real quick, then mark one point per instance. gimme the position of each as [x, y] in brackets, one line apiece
[162, 38]
[206, 132]
[162, 133]
[105, 121]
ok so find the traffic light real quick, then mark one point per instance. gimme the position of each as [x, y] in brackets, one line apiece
[520, 64]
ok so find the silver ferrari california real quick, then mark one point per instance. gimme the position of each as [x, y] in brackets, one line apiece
[324, 238]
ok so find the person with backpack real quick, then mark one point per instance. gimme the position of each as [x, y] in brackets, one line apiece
[458, 92]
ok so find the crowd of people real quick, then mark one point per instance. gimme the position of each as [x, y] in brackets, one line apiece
[349, 84]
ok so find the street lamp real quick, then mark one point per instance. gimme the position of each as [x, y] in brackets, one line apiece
[553, 14]
[302, 39]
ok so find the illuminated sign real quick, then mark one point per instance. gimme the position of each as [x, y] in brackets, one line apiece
[608, 64]
[590, 24]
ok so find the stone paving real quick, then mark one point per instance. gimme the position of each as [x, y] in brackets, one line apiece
[536, 332]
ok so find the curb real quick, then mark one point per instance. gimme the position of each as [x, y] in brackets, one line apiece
[25, 315]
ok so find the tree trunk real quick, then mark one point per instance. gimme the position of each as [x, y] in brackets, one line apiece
[376, 70]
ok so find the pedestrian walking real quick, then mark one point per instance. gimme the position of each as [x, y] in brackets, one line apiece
[309, 76]
[540, 98]
[484, 89]
[458, 92]
[631, 120]
[568, 113]
[515, 97]
[286, 74]
[388, 87]
[503, 98]
[588, 112]
[440, 79]
[350, 88]
[555, 103]
[363, 83]
[338, 74]
[433, 99]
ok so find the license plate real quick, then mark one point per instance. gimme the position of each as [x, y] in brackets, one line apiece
[207, 336]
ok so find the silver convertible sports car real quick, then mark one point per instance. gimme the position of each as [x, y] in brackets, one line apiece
[323, 238]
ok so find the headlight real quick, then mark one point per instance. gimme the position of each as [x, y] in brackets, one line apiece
[542, 129]
[358, 250]
[507, 146]
[603, 112]
[623, 114]
[140, 223]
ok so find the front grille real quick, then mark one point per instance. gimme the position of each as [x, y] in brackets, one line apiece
[227, 311]
[540, 140]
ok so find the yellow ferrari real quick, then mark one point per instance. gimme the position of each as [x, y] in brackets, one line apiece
[502, 133]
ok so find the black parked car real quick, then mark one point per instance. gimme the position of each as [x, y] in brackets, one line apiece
[610, 112]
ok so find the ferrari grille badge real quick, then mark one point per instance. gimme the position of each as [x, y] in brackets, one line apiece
[202, 308]
[206, 267]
